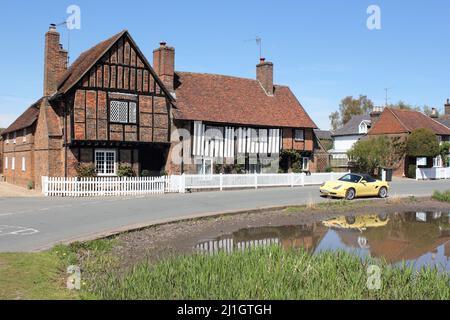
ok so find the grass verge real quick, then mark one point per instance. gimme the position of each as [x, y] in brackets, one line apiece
[32, 276]
[271, 273]
[442, 196]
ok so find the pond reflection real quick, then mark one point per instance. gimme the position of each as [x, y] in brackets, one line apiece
[419, 238]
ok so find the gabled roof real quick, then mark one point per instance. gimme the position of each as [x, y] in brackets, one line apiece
[231, 100]
[352, 127]
[397, 121]
[323, 134]
[26, 119]
[88, 59]
[85, 62]
[445, 121]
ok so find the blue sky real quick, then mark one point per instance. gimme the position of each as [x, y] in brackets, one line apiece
[321, 49]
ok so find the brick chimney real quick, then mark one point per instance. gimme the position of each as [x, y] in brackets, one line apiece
[375, 114]
[434, 113]
[264, 74]
[55, 61]
[447, 108]
[164, 64]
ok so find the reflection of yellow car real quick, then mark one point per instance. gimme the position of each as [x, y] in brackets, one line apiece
[352, 185]
[358, 222]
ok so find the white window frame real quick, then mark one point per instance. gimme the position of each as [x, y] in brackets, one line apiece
[14, 137]
[6, 163]
[437, 162]
[24, 164]
[105, 151]
[7, 138]
[298, 139]
[13, 163]
[25, 135]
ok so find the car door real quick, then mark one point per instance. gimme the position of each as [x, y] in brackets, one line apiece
[365, 188]
[370, 187]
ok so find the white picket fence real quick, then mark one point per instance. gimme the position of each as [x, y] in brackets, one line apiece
[432, 173]
[109, 186]
[112, 186]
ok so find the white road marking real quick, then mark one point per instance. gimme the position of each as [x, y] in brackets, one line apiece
[16, 231]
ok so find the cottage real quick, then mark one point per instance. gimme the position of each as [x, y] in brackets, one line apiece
[345, 138]
[111, 107]
[400, 123]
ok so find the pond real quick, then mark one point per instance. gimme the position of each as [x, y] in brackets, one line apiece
[417, 238]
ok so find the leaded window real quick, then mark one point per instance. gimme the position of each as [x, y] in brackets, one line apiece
[123, 112]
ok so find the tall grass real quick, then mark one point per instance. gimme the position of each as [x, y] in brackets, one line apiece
[270, 273]
[442, 196]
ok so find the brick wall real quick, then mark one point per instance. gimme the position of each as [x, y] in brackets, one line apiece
[19, 151]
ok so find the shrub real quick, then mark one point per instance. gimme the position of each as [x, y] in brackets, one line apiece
[412, 171]
[328, 169]
[86, 170]
[145, 173]
[444, 152]
[369, 155]
[442, 196]
[125, 170]
[422, 143]
[30, 185]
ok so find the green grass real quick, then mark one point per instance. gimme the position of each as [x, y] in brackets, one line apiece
[271, 273]
[442, 196]
[330, 205]
[33, 276]
[42, 276]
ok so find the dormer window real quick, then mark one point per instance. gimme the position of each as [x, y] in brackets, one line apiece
[364, 127]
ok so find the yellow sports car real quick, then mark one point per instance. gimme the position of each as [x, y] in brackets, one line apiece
[358, 222]
[354, 185]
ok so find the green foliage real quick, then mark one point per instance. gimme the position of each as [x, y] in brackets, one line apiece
[329, 169]
[291, 159]
[86, 170]
[442, 196]
[422, 143]
[412, 171]
[145, 173]
[444, 152]
[377, 152]
[270, 273]
[30, 185]
[124, 170]
[348, 108]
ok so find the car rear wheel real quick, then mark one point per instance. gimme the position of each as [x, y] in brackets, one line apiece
[383, 193]
[350, 194]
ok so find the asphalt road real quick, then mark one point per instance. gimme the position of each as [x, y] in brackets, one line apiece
[32, 224]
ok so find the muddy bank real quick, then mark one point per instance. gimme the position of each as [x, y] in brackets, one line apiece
[155, 243]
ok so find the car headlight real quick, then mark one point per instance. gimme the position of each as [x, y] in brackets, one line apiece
[337, 188]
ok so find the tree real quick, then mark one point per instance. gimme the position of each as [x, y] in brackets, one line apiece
[348, 108]
[376, 152]
[422, 143]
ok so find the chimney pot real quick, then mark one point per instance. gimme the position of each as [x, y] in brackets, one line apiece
[162, 44]
[262, 60]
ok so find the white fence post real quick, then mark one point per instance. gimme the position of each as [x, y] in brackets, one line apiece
[182, 182]
[221, 182]
[256, 181]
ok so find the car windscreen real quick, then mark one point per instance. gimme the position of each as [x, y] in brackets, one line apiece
[350, 178]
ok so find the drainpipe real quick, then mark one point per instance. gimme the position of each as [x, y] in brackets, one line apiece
[182, 155]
